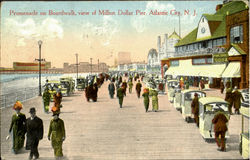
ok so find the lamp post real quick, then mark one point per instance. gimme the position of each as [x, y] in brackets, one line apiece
[40, 46]
[76, 66]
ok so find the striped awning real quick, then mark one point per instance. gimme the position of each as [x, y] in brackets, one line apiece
[232, 70]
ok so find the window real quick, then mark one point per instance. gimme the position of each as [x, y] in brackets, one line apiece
[174, 63]
[204, 44]
[209, 60]
[219, 42]
[236, 34]
[199, 61]
[210, 44]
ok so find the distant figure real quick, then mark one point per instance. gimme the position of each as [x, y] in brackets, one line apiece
[220, 129]
[195, 108]
[46, 100]
[95, 92]
[228, 84]
[202, 84]
[237, 97]
[155, 106]
[111, 88]
[130, 85]
[186, 84]
[57, 99]
[181, 83]
[91, 92]
[18, 128]
[56, 133]
[138, 88]
[120, 95]
[222, 87]
[34, 133]
[124, 85]
[146, 98]
[229, 99]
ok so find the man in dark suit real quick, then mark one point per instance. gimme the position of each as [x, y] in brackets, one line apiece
[220, 129]
[34, 133]
[195, 108]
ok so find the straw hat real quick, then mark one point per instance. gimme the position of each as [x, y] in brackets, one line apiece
[18, 105]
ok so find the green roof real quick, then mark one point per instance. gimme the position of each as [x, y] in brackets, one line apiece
[239, 49]
[232, 7]
[190, 38]
[211, 17]
[220, 15]
[220, 31]
[174, 35]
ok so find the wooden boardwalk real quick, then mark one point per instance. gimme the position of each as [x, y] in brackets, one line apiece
[102, 130]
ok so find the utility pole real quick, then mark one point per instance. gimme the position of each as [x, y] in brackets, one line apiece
[76, 65]
[180, 26]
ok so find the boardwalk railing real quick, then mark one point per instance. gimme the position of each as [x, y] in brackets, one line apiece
[7, 100]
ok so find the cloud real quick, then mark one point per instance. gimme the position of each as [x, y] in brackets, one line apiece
[141, 23]
[156, 5]
[102, 32]
[49, 28]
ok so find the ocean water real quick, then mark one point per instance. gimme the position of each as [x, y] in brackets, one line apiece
[10, 83]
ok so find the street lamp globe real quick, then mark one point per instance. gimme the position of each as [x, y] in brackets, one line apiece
[40, 42]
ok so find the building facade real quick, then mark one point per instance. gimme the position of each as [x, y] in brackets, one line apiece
[85, 67]
[209, 49]
[124, 58]
[31, 66]
[153, 65]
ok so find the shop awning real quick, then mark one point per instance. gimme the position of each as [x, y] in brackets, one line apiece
[132, 69]
[187, 69]
[232, 70]
[172, 70]
[212, 70]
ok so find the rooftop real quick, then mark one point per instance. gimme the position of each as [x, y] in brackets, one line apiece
[220, 17]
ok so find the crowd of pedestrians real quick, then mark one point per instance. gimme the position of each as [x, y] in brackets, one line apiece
[118, 84]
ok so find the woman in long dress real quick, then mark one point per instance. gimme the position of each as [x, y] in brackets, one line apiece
[18, 127]
[56, 133]
[155, 105]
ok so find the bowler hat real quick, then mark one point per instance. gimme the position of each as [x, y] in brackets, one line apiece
[32, 110]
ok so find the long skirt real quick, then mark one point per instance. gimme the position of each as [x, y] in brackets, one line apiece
[155, 105]
[57, 145]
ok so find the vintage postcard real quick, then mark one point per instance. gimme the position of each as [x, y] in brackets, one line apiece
[124, 80]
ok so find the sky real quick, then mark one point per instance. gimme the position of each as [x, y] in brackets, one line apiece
[92, 36]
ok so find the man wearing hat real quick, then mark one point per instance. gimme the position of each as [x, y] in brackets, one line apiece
[18, 127]
[120, 95]
[220, 129]
[237, 97]
[138, 88]
[229, 99]
[195, 109]
[56, 133]
[34, 133]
